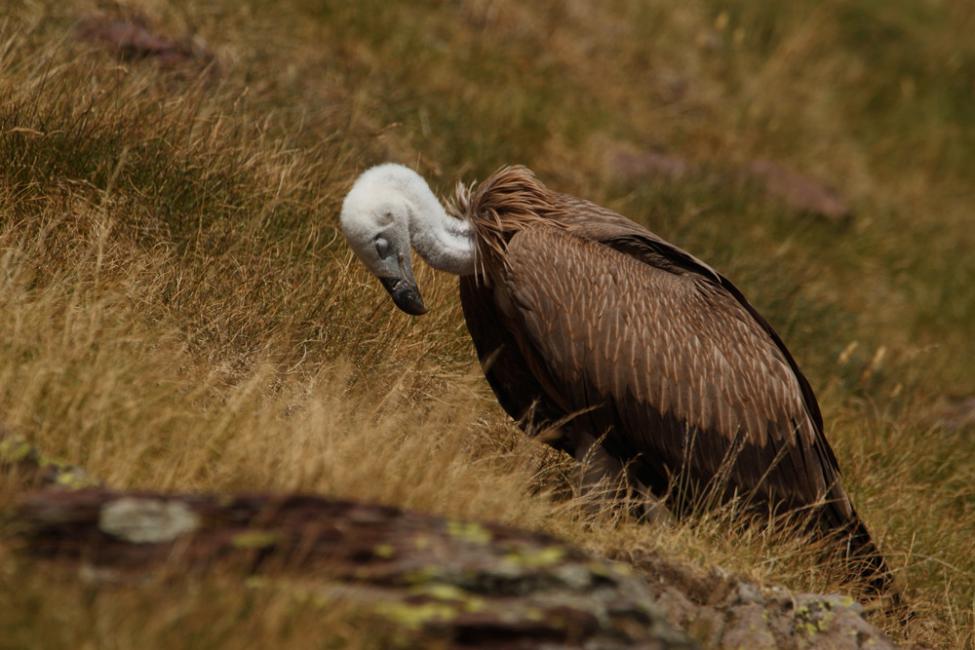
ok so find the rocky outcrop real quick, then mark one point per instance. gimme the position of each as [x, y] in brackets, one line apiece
[131, 36]
[647, 165]
[469, 584]
[797, 191]
[722, 611]
[426, 579]
[956, 414]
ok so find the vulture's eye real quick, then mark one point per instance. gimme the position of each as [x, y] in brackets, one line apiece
[382, 247]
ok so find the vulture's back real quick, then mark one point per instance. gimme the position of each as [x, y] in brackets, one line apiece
[671, 365]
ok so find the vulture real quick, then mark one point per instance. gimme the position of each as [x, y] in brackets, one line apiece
[627, 350]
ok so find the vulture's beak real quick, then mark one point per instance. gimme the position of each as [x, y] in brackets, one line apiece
[405, 294]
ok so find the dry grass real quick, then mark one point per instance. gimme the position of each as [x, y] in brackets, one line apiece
[181, 314]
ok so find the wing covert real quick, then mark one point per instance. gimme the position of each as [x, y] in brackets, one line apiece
[678, 370]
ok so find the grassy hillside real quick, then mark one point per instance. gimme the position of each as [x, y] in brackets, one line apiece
[180, 311]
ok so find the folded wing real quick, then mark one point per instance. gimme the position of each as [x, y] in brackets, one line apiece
[670, 364]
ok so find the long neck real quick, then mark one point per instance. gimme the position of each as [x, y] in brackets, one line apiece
[445, 243]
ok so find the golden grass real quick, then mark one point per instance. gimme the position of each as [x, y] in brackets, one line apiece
[181, 313]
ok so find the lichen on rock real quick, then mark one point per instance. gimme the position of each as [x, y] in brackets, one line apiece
[428, 580]
[147, 521]
[34, 469]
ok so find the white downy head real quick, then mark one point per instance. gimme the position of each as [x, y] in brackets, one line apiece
[390, 209]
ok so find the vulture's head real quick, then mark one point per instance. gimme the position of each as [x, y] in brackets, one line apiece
[376, 222]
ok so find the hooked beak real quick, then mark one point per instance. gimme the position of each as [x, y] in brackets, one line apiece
[405, 294]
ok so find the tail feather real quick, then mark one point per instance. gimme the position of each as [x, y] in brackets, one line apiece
[867, 564]
[869, 568]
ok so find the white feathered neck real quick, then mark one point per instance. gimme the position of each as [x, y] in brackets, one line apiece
[445, 242]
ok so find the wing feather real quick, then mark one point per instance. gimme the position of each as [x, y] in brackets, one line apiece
[663, 358]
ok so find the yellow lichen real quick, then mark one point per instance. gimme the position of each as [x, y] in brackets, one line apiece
[533, 614]
[73, 479]
[423, 575]
[535, 558]
[448, 592]
[440, 591]
[255, 539]
[415, 617]
[14, 450]
[824, 622]
[469, 531]
[846, 601]
[474, 604]
[622, 569]
[384, 551]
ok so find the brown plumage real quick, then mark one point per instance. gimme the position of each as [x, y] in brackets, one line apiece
[583, 318]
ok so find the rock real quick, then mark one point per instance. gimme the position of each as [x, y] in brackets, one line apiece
[722, 611]
[434, 580]
[798, 191]
[465, 583]
[957, 414]
[647, 165]
[132, 37]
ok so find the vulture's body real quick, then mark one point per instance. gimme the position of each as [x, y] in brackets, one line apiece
[593, 328]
